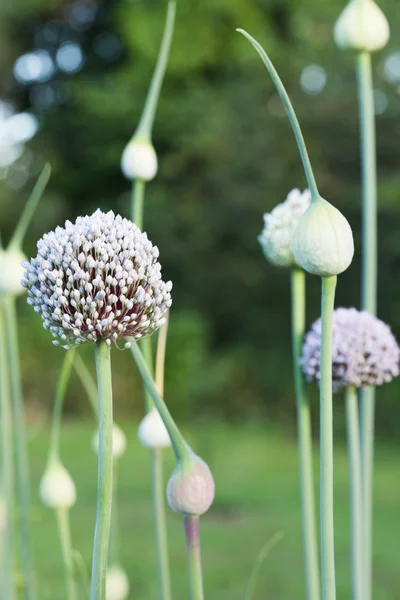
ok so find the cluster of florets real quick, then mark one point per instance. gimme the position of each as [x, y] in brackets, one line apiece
[98, 278]
[277, 234]
[364, 350]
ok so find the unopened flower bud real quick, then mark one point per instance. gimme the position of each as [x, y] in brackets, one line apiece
[57, 489]
[279, 224]
[11, 272]
[117, 584]
[139, 160]
[362, 26]
[152, 432]
[191, 487]
[323, 241]
[118, 442]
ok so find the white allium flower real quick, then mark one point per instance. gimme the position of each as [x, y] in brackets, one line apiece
[57, 489]
[279, 224]
[152, 432]
[98, 278]
[323, 241]
[117, 584]
[191, 488]
[11, 272]
[362, 26]
[139, 160]
[118, 442]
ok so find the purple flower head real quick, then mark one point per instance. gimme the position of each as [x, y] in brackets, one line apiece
[364, 350]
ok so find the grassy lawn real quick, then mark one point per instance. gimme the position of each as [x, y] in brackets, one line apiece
[257, 496]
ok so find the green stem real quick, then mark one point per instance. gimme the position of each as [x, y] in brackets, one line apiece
[160, 525]
[30, 207]
[180, 447]
[138, 188]
[113, 555]
[298, 280]
[22, 470]
[194, 557]
[87, 381]
[262, 555]
[369, 290]
[147, 119]
[145, 346]
[353, 440]
[326, 449]
[105, 472]
[62, 383]
[7, 467]
[64, 531]
[290, 113]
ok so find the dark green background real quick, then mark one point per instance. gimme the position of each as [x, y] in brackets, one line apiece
[227, 154]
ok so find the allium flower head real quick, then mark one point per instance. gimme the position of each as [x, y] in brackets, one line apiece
[98, 278]
[276, 237]
[364, 350]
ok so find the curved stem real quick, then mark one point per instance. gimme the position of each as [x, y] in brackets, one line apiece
[7, 467]
[87, 381]
[64, 531]
[261, 557]
[194, 557]
[150, 107]
[105, 472]
[160, 524]
[22, 469]
[298, 279]
[357, 546]
[290, 113]
[181, 448]
[326, 449]
[62, 384]
[368, 290]
[30, 207]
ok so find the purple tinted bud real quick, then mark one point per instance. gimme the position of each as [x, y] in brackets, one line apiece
[364, 350]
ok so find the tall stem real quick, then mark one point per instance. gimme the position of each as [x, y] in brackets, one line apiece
[290, 113]
[369, 291]
[160, 524]
[180, 447]
[138, 189]
[64, 530]
[326, 443]
[353, 440]
[22, 470]
[194, 557]
[62, 384]
[105, 472]
[113, 555]
[7, 467]
[298, 279]
[87, 381]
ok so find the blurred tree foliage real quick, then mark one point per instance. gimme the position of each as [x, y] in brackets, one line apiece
[227, 155]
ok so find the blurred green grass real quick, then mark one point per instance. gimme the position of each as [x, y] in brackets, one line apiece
[256, 496]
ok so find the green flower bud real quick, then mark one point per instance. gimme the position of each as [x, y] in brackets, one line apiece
[139, 160]
[11, 272]
[362, 26]
[323, 241]
[191, 487]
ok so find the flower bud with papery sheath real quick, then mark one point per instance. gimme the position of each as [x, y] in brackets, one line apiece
[11, 272]
[362, 27]
[191, 487]
[152, 432]
[139, 160]
[118, 442]
[57, 489]
[117, 584]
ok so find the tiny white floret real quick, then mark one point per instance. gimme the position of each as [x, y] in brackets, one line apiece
[57, 489]
[139, 160]
[152, 432]
[362, 26]
[118, 442]
[11, 272]
[117, 584]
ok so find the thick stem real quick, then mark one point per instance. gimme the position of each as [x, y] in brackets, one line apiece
[105, 472]
[368, 290]
[304, 439]
[138, 189]
[180, 447]
[160, 524]
[64, 531]
[194, 557]
[353, 440]
[326, 443]
[290, 113]
[146, 121]
[62, 385]
[7, 467]
[22, 469]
